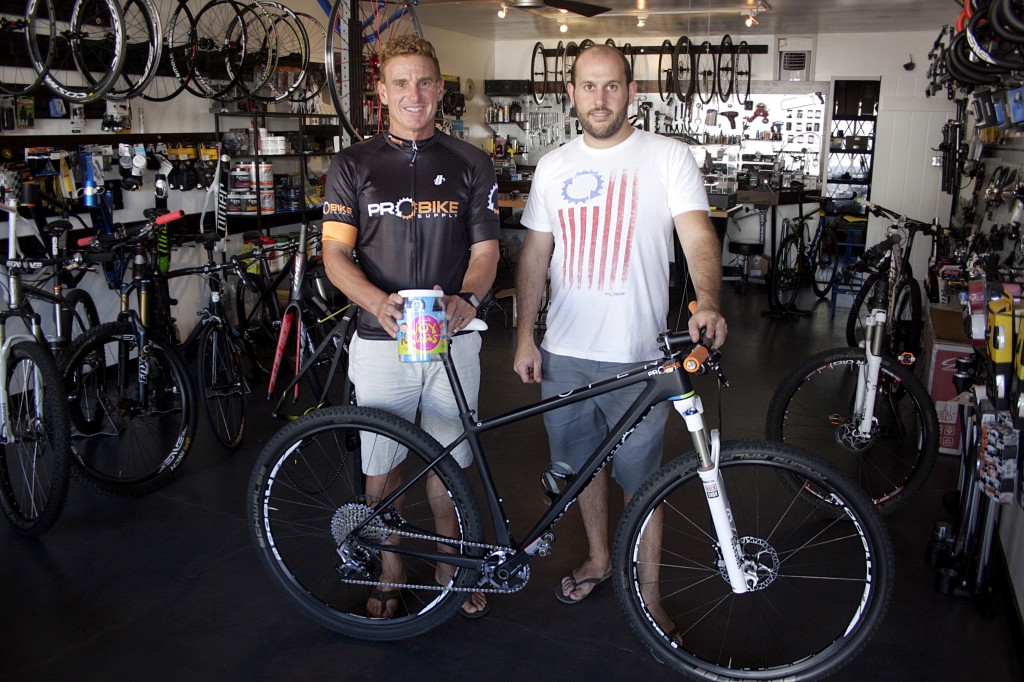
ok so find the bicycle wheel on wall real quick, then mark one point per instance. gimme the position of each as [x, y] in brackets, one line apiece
[725, 71]
[683, 68]
[21, 37]
[356, 29]
[741, 81]
[178, 54]
[817, 557]
[310, 523]
[538, 73]
[813, 408]
[143, 48]
[666, 71]
[705, 71]
[34, 461]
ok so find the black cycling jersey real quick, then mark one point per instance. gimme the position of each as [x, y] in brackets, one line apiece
[411, 210]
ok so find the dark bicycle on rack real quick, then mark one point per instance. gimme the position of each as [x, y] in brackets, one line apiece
[751, 532]
[804, 260]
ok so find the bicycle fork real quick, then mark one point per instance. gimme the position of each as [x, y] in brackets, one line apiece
[708, 449]
[867, 378]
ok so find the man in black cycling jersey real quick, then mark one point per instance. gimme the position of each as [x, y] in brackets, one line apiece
[419, 208]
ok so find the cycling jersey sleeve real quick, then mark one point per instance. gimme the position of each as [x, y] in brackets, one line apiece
[340, 221]
[484, 223]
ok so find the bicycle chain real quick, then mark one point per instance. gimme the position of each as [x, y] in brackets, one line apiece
[446, 588]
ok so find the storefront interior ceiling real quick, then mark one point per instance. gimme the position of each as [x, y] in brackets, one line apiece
[681, 17]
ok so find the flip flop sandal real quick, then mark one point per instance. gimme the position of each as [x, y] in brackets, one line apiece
[576, 584]
[384, 597]
[476, 614]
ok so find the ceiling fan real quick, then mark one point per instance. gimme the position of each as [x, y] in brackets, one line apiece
[584, 9]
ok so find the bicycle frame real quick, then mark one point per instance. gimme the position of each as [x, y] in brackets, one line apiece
[663, 379]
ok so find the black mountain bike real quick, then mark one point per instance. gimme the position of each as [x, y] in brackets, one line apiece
[771, 563]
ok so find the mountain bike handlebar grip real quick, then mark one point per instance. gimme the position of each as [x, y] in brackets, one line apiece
[169, 217]
[85, 241]
[695, 359]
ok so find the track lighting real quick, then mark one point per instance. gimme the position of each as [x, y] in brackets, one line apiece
[751, 21]
[503, 11]
[562, 25]
[641, 21]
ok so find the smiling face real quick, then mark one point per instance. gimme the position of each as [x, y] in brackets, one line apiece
[410, 87]
[601, 95]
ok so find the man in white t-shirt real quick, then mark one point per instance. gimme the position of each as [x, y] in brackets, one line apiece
[600, 215]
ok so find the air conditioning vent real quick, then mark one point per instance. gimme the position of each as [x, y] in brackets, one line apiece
[794, 61]
[794, 65]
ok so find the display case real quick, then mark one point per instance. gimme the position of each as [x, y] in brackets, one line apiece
[278, 162]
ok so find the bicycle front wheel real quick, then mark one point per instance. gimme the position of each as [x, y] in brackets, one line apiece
[786, 273]
[868, 291]
[310, 519]
[826, 259]
[817, 557]
[34, 460]
[133, 419]
[814, 408]
[223, 386]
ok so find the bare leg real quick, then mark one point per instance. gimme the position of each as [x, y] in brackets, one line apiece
[593, 503]
[649, 572]
[377, 488]
[445, 525]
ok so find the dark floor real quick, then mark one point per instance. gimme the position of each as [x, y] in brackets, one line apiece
[168, 587]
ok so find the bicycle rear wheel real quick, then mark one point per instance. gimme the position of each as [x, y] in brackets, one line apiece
[132, 423]
[79, 313]
[907, 322]
[814, 409]
[786, 272]
[222, 385]
[309, 522]
[34, 461]
[817, 553]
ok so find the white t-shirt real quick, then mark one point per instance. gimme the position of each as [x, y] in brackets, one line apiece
[610, 211]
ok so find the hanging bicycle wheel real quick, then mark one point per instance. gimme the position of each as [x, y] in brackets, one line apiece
[683, 68]
[560, 89]
[726, 69]
[177, 56]
[356, 29]
[93, 41]
[538, 73]
[572, 50]
[292, 58]
[316, 72]
[741, 73]
[143, 44]
[220, 36]
[253, 67]
[22, 37]
[705, 71]
[666, 70]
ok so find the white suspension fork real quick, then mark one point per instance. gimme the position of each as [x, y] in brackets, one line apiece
[867, 379]
[709, 450]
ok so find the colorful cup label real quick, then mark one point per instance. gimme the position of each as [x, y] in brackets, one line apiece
[423, 329]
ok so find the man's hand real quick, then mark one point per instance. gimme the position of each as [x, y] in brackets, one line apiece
[715, 328]
[458, 311]
[389, 312]
[527, 363]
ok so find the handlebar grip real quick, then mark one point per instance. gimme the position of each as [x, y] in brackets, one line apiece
[85, 241]
[695, 359]
[169, 217]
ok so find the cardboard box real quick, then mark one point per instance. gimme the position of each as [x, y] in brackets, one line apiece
[944, 342]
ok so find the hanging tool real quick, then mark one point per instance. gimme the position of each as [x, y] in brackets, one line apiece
[760, 110]
[731, 115]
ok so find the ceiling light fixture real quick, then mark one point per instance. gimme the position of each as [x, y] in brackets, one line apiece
[751, 21]
[503, 11]
[641, 21]
[563, 26]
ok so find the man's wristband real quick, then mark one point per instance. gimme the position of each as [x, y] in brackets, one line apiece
[470, 298]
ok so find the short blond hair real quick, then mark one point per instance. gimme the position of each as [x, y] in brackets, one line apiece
[406, 45]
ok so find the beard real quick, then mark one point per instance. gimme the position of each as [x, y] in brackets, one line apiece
[604, 130]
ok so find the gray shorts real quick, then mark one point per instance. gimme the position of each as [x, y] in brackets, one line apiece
[575, 431]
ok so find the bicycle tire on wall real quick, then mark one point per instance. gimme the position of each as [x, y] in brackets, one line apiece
[821, 557]
[119, 449]
[40, 24]
[306, 497]
[34, 466]
[812, 408]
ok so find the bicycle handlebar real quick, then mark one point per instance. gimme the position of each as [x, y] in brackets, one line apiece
[871, 256]
[880, 211]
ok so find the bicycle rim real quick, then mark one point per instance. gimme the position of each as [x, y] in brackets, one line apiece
[177, 57]
[666, 70]
[88, 58]
[223, 385]
[725, 71]
[143, 48]
[27, 47]
[786, 273]
[353, 56]
[741, 84]
[538, 73]
[814, 409]
[309, 523]
[34, 461]
[132, 426]
[316, 72]
[292, 55]
[705, 71]
[822, 571]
